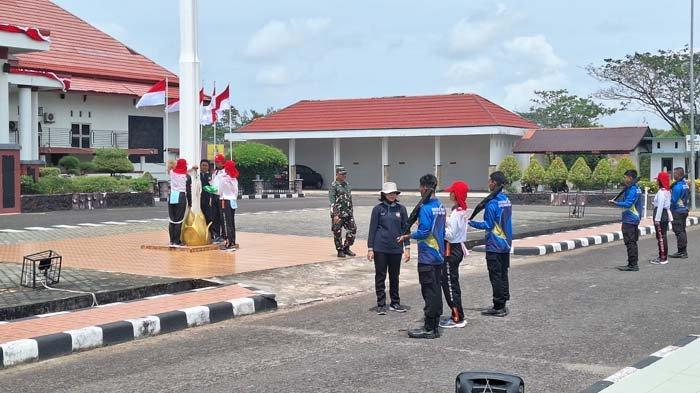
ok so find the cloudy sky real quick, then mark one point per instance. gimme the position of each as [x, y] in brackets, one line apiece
[277, 52]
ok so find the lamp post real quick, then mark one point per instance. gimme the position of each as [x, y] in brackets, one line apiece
[692, 111]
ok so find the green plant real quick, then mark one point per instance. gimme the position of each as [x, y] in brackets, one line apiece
[49, 171]
[140, 184]
[621, 167]
[602, 174]
[511, 169]
[112, 160]
[100, 184]
[69, 163]
[645, 166]
[27, 185]
[580, 174]
[697, 185]
[653, 185]
[54, 185]
[534, 174]
[87, 167]
[557, 173]
[257, 159]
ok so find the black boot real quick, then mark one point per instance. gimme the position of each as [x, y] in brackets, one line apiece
[681, 255]
[430, 330]
[341, 254]
[348, 252]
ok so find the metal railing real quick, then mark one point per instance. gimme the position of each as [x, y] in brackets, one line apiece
[63, 137]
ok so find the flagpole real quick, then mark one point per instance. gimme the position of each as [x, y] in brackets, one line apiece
[165, 126]
[230, 120]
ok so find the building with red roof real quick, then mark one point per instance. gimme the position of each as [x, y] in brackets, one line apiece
[455, 136]
[71, 88]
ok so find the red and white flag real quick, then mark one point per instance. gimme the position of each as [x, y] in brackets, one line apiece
[208, 115]
[174, 104]
[222, 103]
[154, 96]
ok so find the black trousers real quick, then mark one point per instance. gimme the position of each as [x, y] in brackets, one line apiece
[498, 265]
[228, 218]
[450, 281]
[216, 226]
[211, 213]
[176, 212]
[630, 234]
[679, 222]
[382, 263]
[429, 278]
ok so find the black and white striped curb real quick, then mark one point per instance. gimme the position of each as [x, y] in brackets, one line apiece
[627, 371]
[572, 244]
[255, 196]
[60, 344]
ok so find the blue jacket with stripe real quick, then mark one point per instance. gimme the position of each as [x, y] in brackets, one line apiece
[680, 196]
[632, 205]
[431, 233]
[497, 224]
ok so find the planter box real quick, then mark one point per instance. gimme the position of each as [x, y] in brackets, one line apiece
[85, 201]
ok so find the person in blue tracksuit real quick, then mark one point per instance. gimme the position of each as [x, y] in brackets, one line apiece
[631, 215]
[430, 235]
[498, 225]
[680, 197]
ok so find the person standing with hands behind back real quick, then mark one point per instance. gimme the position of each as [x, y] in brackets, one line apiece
[630, 219]
[386, 225]
[340, 198]
[680, 197]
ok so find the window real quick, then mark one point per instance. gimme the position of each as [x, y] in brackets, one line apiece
[667, 163]
[658, 145]
[676, 143]
[80, 135]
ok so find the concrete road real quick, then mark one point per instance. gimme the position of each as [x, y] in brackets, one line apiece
[574, 320]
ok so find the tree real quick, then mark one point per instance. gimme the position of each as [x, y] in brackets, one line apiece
[112, 160]
[657, 82]
[511, 169]
[621, 167]
[534, 174]
[580, 174]
[558, 108]
[69, 164]
[557, 173]
[238, 120]
[603, 174]
[254, 159]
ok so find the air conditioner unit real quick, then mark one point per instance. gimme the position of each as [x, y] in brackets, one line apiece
[13, 126]
[49, 117]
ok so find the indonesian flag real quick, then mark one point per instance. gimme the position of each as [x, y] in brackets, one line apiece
[174, 104]
[32, 33]
[208, 115]
[222, 103]
[154, 96]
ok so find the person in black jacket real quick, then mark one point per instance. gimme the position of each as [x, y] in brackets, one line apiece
[387, 223]
[207, 200]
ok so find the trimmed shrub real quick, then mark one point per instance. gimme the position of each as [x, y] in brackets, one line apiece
[580, 174]
[534, 174]
[49, 171]
[141, 184]
[54, 185]
[257, 159]
[27, 185]
[87, 167]
[652, 184]
[511, 169]
[112, 160]
[602, 174]
[557, 173]
[100, 184]
[69, 163]
[621, 167]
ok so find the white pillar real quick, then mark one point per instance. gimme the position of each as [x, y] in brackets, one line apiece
[190, 141]
[336, 154]
[385, 159]
[25, 122]
[4, 106]
[35, 125]
[438, 160]
[292, 160]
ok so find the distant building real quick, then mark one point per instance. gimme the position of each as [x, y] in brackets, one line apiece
[668, 152]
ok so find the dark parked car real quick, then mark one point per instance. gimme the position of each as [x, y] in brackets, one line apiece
[312, 179]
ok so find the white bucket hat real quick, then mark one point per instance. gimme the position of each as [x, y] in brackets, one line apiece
[390, 187]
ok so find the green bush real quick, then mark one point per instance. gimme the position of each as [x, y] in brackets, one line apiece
[534, 174]
[652, 184]
[621, 167]
[27, 185]
[511, 169]
[100, 184]
[141, 184]
[257, 159]
[557, 173]
[603, 174]
[645, 166]
[69, 163]
[580, 174]
[54, 185]
[49, 171]
[112, 160]
[87, 167]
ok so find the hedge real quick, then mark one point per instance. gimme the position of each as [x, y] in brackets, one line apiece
[65, 185]
[49, 171]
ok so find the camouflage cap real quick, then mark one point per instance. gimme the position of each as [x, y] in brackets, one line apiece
[341, 170]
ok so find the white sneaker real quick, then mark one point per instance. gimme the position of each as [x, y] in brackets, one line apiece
[450, 324]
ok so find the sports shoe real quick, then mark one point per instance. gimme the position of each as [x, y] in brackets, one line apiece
[658, 261]
[349, 252]
[397, 307]
[679, 255]
[493, 312]
[381, 310]
[451, 324]
[628, 268]
[218, 240]
[422, 333]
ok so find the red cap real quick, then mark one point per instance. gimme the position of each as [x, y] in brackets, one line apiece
[664, 179]
[230, 168]
[180, 166]
[460, 189]
[219, 159]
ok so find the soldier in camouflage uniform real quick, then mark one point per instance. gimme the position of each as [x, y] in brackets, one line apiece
[340, 198]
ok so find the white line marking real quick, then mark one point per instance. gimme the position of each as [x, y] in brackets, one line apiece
[88, 224]
[51, 314]
[136, 220]
[38, 229]
[158, 296]
[160, 219]
[114, 223]
[12, 230]
[65, 226]
[109, 304]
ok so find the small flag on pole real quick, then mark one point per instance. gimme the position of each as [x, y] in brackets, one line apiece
[154, 96]
[174, 104]
[222, 102]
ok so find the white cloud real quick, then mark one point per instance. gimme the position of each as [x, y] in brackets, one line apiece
[276, 37]
[278, 75]
[518, 95]
[470, 34]
[468, 71]
[535, 50]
